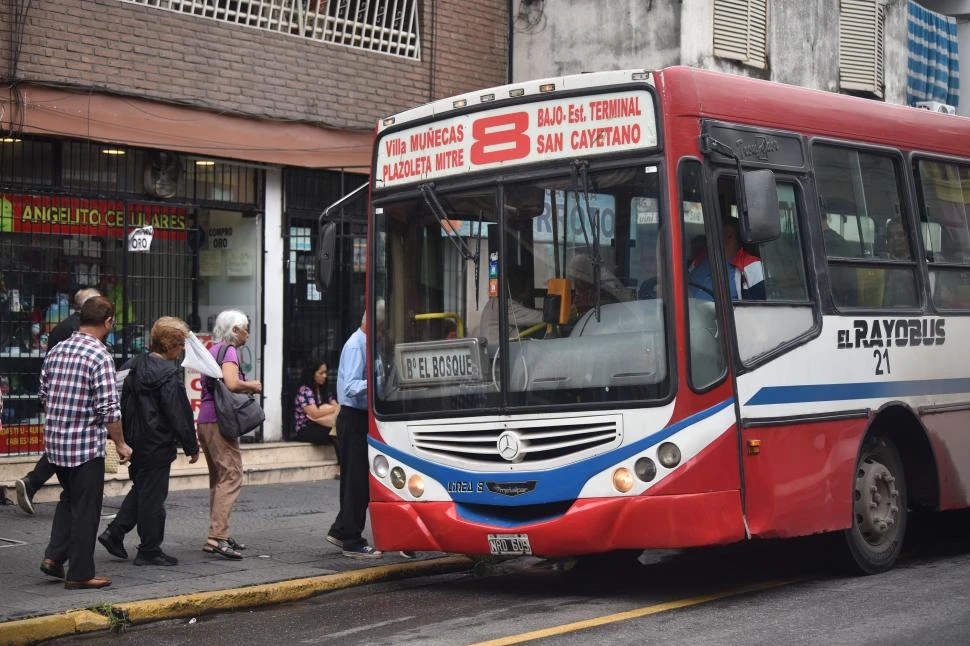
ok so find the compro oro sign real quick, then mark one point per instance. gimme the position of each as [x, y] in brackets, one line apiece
[519, 134]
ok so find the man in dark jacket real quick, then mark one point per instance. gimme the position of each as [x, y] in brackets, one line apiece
[157, 417]
[43, 471]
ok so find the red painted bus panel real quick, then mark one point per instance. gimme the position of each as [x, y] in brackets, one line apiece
[951, 447]
[801, 481]
[713, 469]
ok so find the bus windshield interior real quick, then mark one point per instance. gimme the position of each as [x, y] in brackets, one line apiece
[535, 293]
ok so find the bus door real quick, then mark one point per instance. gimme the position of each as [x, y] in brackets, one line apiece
[772, 316]
[711, 390]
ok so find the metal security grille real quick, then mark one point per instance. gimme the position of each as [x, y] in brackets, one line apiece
[52, 245]
[66, 208]
[385, 26]
[316, 325]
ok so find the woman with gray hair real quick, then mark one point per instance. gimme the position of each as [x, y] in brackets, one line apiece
[231, 330]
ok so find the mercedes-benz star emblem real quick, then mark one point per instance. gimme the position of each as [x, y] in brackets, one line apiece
[509, 446]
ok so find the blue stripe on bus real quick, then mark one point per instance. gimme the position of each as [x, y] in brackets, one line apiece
[862, 390]
[552, 485]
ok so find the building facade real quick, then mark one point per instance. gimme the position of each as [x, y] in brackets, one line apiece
[225, 127]
[862, 47]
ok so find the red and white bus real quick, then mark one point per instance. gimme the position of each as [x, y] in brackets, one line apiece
[655, 309]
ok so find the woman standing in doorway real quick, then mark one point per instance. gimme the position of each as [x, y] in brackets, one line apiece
[222, 454]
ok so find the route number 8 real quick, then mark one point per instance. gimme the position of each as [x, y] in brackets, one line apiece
[500, 138]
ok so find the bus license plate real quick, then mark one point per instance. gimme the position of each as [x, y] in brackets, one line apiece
[505, 544]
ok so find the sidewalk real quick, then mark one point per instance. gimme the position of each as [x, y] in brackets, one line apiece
[283, 527]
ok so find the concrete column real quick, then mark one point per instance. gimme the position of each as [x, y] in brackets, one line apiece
[273, 308]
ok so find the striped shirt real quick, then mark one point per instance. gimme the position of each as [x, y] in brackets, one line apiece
[80, 397]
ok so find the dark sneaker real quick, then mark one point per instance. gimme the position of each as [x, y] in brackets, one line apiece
[24, 499]
[362, 552]
[161, 559]
[407, 555]
[333, 540]
[114, 546]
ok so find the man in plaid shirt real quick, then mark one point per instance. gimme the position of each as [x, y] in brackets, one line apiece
[80, 398]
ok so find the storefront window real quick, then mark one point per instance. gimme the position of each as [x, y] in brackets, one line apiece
[67, 211]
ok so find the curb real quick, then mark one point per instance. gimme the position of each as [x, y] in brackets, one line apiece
[35, 629]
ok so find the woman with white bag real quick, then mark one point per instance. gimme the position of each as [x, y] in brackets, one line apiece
[223, 456]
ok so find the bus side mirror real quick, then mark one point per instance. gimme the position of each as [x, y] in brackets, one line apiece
[326, 243]
[761, 222]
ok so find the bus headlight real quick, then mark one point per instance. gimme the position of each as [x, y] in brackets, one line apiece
[416, 485]
[645, 469]
[622, 480]
[397, 477]
[381, 467]
[669, 455]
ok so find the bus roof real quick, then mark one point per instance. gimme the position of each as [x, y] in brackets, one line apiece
[687, 91]
[739, 99]
[493, 96]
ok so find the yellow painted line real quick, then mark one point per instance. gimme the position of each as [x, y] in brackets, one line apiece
[631, 614]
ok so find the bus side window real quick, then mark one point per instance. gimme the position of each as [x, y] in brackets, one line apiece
[707, 361]
[786, 313]
[944, 209]
[864, 232]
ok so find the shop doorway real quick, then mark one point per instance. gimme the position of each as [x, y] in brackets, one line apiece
[230, 277]
[317, 325]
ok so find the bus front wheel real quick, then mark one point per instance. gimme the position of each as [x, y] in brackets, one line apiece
[875, 539]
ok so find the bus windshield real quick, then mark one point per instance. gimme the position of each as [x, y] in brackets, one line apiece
[525, 293]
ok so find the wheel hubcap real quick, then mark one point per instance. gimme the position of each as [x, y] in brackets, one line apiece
[876, 502]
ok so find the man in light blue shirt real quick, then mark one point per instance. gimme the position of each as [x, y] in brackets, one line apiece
[347, 530]
[351, 372]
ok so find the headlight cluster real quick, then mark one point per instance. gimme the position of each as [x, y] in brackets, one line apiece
[668, 454]
[398, 477]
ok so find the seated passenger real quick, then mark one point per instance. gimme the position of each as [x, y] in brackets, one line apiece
[899, 290]
[314, 409]
[746, 274]
[580, 272]
[520, 316]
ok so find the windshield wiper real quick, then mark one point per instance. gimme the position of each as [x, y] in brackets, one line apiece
[431, 199]
[580, 173]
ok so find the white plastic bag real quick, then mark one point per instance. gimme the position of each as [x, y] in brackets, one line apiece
[199, 359]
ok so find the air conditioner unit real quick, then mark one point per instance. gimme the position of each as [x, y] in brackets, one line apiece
[936, 106]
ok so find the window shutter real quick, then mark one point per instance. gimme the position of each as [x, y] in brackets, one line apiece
[741, 31]
[861, 46]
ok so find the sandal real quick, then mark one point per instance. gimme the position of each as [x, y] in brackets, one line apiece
[239, 547]
[223, 549]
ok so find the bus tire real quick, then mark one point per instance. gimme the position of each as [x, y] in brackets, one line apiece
[879, 512]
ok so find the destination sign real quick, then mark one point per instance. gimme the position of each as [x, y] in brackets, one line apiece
[518, 134]
[438, 362]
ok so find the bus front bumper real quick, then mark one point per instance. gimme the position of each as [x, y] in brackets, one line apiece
[588, 526]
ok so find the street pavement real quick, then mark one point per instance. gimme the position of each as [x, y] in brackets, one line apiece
[283, 527]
